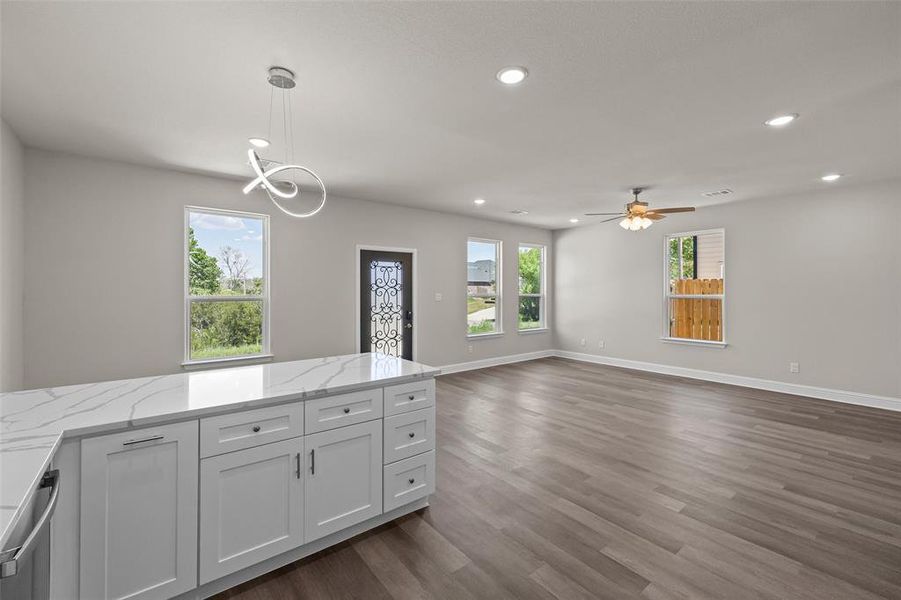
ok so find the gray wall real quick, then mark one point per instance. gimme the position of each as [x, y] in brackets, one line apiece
[814, 278]
[12, 246]
[104, 271]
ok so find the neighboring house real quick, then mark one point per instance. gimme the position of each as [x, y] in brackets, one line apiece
[481, 272]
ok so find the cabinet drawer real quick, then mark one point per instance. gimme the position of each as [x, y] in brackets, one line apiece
[245, 429]
[409, 396]
[408, 480]
[409, 434]
[344, 409]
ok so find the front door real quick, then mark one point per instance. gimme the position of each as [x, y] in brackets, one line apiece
[386, 302]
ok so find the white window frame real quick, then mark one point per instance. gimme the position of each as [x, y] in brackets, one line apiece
[668, 295]
[498, 277]
[265, 352]
[542, 295]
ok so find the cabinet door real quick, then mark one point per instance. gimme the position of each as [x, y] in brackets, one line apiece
[251, 507]
[343, 478]
[139, 513]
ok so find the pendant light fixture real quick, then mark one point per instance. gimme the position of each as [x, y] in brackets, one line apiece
[264, 169]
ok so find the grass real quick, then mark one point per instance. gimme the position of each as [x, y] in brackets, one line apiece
[482, 327]
[225, 351]
[529, 324]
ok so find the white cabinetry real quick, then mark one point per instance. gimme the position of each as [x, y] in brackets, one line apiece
[251, 506]
[139, 513]
[343, 484]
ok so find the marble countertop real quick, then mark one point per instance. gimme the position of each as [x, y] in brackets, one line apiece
[34, 422]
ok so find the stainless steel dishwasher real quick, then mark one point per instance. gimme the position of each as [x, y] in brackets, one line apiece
[25, 562]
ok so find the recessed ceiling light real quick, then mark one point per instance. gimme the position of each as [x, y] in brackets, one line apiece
[258, 142]
[574, 220]
[512, 75]
[479, 201]
[831, 177]
[781, 120]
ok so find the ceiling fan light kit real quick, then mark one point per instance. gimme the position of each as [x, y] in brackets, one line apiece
[265, 169]
[638, 216]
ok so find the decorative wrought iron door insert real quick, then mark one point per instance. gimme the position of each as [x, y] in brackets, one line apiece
[386, 303]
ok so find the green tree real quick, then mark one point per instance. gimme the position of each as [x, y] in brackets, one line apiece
[203, 270]
[530, 271]
[687, 246]
[529, 283]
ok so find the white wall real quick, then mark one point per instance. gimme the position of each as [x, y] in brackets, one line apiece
[12, 246]
[814, 278]
[104, 271]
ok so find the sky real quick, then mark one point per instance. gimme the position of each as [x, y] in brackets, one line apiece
[244, 233]
[480, 251]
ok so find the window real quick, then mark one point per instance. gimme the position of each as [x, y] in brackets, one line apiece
[531, 287]
[483, 295]
[695, 286]
[226, 284]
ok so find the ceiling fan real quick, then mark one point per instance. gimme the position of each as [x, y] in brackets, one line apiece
[637, 215]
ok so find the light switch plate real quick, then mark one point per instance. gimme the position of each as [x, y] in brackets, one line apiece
[438, 297]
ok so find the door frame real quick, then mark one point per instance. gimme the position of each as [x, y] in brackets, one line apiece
[357, 307]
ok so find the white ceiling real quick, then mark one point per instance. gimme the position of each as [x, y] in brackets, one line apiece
[397, 102]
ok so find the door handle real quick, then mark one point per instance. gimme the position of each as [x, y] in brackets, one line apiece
[9, 559]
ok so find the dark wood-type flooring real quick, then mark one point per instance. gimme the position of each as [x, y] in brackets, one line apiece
[560, 479]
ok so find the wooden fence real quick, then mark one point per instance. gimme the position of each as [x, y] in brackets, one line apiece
[697, 318]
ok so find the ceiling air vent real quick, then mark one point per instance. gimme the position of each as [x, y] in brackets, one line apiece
[519, 211]
[717, 193]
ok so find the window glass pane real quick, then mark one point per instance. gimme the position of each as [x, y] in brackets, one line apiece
[481, 266]
[225, 254]
[696, 258]
[481, 314]
[530, 270]
[221, 329]
[696, 319]
[529, 312]
[481, 287]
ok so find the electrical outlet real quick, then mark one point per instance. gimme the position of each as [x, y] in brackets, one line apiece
[601, 344]
[469, 349]
[794, 367]
[438, 297]
[582, 342]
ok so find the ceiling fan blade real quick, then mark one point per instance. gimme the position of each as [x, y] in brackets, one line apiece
[601, 214]
[616, 218]
[680, 209]
[654, 216]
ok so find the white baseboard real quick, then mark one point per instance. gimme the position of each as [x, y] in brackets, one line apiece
[847, 397]
[493, 362]
[844, 396]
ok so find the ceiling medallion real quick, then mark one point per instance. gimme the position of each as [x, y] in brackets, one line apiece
[265, 169]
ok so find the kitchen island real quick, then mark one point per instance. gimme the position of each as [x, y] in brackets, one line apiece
[190, 483]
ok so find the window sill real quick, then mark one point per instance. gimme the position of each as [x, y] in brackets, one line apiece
[484, 336]
[688, 342]
[211, 363]
[533, 330]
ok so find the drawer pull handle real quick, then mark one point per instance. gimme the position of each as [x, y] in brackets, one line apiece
[256, 428]
[411, 397]
[412, 434]
[411, 480]
[346, 410]
[143, 440]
